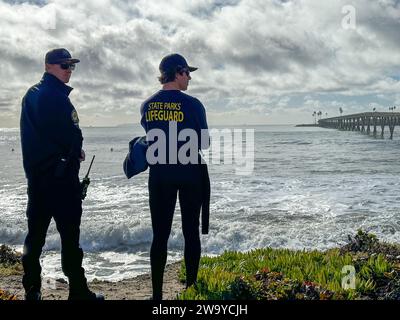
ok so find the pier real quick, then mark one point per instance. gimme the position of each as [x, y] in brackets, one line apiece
[366, 122]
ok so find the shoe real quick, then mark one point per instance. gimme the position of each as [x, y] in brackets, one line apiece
[86, 295]
[33, 295]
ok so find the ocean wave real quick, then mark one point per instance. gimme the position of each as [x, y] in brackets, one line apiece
[13, 130]
[114, 237]
[12, 235]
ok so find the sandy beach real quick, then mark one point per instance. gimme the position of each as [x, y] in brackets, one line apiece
[138, 288]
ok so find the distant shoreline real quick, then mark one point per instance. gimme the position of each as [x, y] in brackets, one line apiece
[137, 125]
[306, 125]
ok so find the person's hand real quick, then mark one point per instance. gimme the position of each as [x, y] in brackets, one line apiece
[83, 156]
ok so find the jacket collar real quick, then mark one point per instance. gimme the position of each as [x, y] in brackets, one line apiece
[55, 82]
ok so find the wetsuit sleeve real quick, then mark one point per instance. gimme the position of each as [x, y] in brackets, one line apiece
[201, 119]
[143, 119]
[58, 120]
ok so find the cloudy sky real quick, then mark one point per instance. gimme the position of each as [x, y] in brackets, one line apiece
[260, 61]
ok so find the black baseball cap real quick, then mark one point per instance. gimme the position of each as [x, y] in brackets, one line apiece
[61, 55]
[174, 62]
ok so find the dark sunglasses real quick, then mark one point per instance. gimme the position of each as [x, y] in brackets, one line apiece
[67, 66]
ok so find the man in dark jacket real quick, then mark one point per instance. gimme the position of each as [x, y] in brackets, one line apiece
[52, 151]
[172, 113]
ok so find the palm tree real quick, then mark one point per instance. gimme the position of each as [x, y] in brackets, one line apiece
[315, 117]
[319, 114]
[340, 110]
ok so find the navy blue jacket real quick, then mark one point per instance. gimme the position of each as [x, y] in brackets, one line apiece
[49, 126]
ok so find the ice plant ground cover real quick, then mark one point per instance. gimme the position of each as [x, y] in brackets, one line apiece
[282, 274]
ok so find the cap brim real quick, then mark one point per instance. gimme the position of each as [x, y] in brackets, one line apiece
[191, 69]
[72, 60]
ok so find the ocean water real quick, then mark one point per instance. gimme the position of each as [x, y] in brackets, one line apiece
[310, 188]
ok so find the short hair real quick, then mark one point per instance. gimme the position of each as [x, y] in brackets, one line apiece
[170, 75]
[166, 77]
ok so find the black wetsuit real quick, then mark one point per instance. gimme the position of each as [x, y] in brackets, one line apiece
[51, 146]
[167, 180]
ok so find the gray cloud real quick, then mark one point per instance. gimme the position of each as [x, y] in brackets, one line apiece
[39, 3]
[253, 55]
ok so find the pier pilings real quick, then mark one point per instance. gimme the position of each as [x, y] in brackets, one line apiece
[362, 122]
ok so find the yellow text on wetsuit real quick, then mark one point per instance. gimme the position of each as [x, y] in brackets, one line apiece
[164, 111]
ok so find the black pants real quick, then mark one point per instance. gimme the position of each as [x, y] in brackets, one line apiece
[163, 192]
[50, 197]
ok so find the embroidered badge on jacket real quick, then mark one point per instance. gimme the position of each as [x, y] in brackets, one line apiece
[75, 119]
